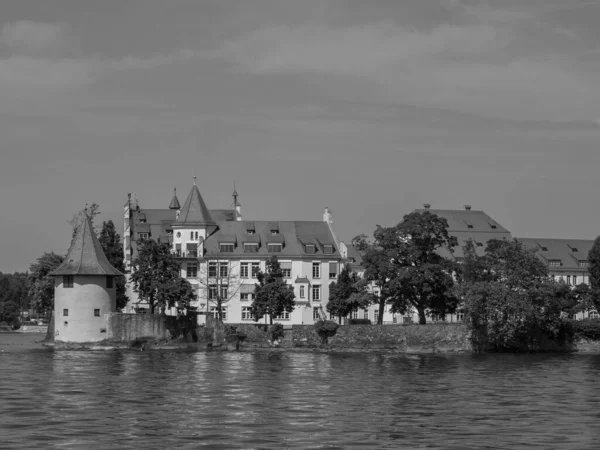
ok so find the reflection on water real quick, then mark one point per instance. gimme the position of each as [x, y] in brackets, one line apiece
[297, 400]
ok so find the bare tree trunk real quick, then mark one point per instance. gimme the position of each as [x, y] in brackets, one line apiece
[422, 319]
[271, 319]
[381, 311]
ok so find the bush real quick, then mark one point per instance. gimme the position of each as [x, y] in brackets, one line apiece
[16, 324]
[359, 322]
[326, 329]
[276, 332]
[586, 329]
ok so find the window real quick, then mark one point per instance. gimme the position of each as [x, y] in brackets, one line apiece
[583, 263]
[274, 248]
[255, 269]
[328, 249]
[192, 250]
[178, 249]
[302, 292]
[316, 292]
[316, 315]
[544, 249]
[250, 248]
[226, 248]
[286, 268]
[223, 270]
[96, 313]
[68, 281]
[250, 231]
[333, 270]
[316, 270]
[460, 316]
[366, 314]
[479, 244]
[109, 282]
[224, 293]
[212, 269]
[284, 316]
[213, 312]
[493, 226]
[593, 315]
[274, 232]
[212, 292]
[65, 312]
[355, 314]
[191, 270]
[247, 292]
[554, 263]
[376, 315]
[574, 280]
[469, 226]
[142, 236]
[191, 235]
[170, 232]
[568, 279]
[244, 270]
[310, 249]
[247, 313]
[574, 250]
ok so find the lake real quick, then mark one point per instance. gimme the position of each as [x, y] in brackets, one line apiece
[273, 400]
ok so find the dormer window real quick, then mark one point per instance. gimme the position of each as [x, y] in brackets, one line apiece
[310, 249]
[143, 236]
[274, 248]
[170, 232]
[328, 249]
[250, 231]
[469, 225]
[492, 226]
[250, 248]
[584, 263]
[274, 228]
[574, 250]
[479, 244]
[554, 263]
[226, 248]
[544, 249]
[274, 232]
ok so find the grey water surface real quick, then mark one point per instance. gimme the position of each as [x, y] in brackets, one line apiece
[169, 399]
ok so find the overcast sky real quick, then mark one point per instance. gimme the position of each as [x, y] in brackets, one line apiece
[369, 107]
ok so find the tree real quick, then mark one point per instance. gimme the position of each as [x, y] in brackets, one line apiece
[153, 274]
[179, 294]
[348, 294]
[272, 296]
[111, 245]
[511, 303]
[40, 284]
[221, 280]
[594, 272]
[405, 262]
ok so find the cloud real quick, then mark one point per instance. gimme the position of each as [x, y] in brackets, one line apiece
[26, 37]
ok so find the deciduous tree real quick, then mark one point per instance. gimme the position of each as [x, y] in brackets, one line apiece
[113, 249]
[40, 284]
[154, 272]
[594, 272]
[348, 294]
[272, 296]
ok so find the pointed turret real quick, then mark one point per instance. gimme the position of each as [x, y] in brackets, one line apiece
[194, 210]
[174, 201]
[86, 257]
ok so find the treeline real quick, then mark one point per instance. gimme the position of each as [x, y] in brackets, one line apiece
[14, 297]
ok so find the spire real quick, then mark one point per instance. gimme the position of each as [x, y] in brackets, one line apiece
[174, 201]
[86, 256]
[194, 210]
[237, 210]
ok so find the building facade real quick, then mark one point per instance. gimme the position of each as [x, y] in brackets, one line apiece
[221, 254]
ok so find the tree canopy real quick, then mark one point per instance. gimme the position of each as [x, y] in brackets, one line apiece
[405, 262]
[272, 296]
[113, 249]
[154, 273]
[594, 272]
[40, 284]
[348, 294]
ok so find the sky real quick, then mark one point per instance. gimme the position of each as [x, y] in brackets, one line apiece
[370, 108]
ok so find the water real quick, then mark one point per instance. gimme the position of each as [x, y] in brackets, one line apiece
[99, 400]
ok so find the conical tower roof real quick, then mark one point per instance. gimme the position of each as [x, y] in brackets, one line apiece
[194, 211]
[174, 201]
[86, 256]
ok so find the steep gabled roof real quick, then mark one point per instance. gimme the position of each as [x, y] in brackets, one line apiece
[86, 257]
[174, 201]
[194, 211]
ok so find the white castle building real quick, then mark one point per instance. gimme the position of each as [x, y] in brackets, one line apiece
[217, 249]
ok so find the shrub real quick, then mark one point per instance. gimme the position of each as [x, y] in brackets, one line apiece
[326, 329]
[276, 332]
[16, 324]
[586, 329]
[359, 322]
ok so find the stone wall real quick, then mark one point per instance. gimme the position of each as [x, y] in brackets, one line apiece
[129, 327]
[443, 337]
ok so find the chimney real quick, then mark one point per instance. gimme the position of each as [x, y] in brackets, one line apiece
[468, 207]
[426, 205]
[327, 217]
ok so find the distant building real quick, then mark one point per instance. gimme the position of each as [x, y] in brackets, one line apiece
[210, 242]
[84, 289]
